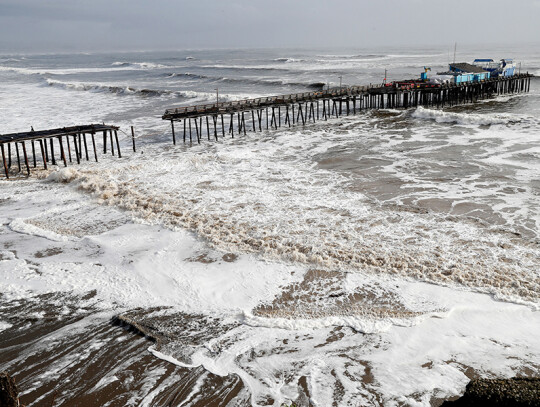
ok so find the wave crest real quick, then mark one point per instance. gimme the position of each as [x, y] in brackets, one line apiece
[441, 116]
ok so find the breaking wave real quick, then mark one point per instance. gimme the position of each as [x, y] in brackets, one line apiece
[128, 90]
[140, 65]
[441, 116]
[186, 75]
[289, 60]
[251, 81]
[117, 90]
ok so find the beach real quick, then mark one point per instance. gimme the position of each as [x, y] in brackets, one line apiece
[383, 258]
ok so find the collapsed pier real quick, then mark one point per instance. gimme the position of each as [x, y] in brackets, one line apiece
[272, 112]
[46, 141]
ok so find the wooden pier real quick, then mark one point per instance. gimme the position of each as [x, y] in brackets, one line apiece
[46, 140]
[301, 108]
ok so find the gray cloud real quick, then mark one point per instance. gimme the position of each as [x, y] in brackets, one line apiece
[67, 25]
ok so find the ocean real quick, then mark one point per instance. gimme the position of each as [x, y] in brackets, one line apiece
[382, 258]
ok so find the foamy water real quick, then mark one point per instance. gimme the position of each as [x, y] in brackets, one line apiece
[372, 259]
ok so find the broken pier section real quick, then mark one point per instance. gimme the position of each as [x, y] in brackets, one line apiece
[49, 141]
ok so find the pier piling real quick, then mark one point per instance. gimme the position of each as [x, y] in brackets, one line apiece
[47, 140]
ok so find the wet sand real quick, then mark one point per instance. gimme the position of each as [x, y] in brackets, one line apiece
[84, 359]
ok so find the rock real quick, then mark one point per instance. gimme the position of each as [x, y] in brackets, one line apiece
[9, 395]
[515, 392]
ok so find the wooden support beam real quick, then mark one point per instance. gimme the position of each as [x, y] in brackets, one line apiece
[133, 138]
[4, 160]
[25, 158]
[18, 157]
[117, 145]
[43, 154]
[173, 135]
[77, 156]
[112, 146]
[222, 127]
[80, 145]
[197, 130]
[94, 145]
[62, 153]
[34, 154]
[69, 149]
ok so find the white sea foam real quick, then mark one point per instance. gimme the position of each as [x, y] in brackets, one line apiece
[19, 225]
[364, 325]
[4, 326]
[441, 116]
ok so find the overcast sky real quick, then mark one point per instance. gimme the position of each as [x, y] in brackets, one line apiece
[92, 25]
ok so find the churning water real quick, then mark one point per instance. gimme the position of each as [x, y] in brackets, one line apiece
[380, 258]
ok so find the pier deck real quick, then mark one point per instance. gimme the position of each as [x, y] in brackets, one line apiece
[312, 106]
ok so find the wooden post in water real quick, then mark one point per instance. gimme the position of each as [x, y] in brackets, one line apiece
[117, 145]
[173, 135]
[4, 160]
[80, 145]
[85, 146]
[133, 138]
[23, 143]
[184, 130]
[69, 148]
[18, 157]
[43, 150]
[94, 145]
[112, 144]
[34, 154]
[222, 128]
[77, 156]
[62, 154]
[25, 157]
[197, 130]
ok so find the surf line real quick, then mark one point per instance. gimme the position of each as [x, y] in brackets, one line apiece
[272, 112]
